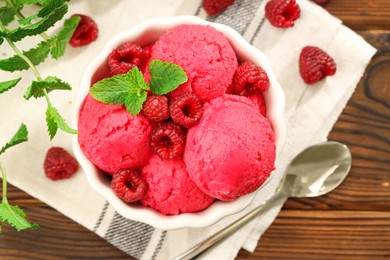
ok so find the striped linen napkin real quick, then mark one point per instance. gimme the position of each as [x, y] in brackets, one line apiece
[311, 112]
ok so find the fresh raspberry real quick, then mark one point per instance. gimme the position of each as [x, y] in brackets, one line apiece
[86, 31]
[214, 7]
[282, 13]
[315, 64]
[156, 108]
[59, 164]
[248, 79]
[186, 109]
[128, 185]
[168, 140]
[125, 57]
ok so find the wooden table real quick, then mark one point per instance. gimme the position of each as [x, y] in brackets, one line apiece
[352, 222]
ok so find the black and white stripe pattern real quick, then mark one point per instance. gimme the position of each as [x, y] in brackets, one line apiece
[130, 236]
[101, 217]
[134, 237]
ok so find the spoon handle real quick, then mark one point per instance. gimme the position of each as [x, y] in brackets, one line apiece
[226, 232]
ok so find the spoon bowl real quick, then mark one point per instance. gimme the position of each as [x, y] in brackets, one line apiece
[316, 171]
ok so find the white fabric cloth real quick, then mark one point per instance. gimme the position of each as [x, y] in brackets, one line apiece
[311, 112]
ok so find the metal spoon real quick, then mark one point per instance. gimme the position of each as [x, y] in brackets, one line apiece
[315, 171]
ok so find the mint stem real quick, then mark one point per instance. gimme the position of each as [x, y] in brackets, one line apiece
[21, 55]
[47, 98]
[4, 176]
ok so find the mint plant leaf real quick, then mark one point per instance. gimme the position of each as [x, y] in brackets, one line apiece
[15, 216]
[19, 3]
[122, 89]
[6, 15]
[48, 6]
[38, 27]
[27, 20]
[111, 90]
[54, 121]
[51, 123]
[49, 84]
[134, 102]
[20, 136]
[7, 85]
[136, 79]
[63, 37]
[165, 76]
[36, 56]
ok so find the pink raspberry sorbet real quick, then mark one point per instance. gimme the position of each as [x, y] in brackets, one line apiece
[170, 189]
[111, 138]
[231, 151]
[204, 53]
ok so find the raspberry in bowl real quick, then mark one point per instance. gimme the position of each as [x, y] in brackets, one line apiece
[200, 151]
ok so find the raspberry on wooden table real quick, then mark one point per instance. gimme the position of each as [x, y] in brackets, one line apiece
[315, 64]
[59, 164]
[186, 109]
[125, 57]
[214, 7]
[128, 185]
[86, 31]
[282, 13]
[168, 140]
[156, 108]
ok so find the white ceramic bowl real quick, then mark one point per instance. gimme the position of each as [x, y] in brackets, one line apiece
[145, 33]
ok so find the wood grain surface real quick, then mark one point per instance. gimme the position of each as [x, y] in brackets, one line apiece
[352, 222]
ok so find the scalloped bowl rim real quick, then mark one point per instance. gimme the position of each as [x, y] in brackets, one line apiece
[219, 209]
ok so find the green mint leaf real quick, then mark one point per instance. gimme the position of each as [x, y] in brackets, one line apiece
[27, 2]
[123, 89]
[134, 102]
[136, 79]
[111, 90]
[49, 84]
[40, 26]
[165, 76]
[36, 55]
[48, 6]
[54, 121]
[20, 136]
[7, 85]
[27, 20]
[6, 15]
[136, 94]
[15, 216]
[63, 37]
[51, 123]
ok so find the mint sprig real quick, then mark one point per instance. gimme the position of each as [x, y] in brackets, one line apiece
[50, 13]
[131, 89]
[39, 27]
[11, 214]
